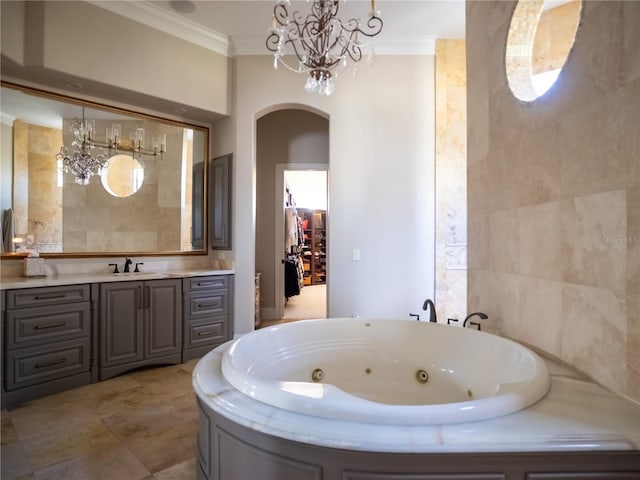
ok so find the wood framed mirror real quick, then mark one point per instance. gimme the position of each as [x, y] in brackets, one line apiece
[163, 212]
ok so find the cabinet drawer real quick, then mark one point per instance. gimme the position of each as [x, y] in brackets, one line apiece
[206, 304]
[206, 333]
[37, 325]
[30, 366]
[206, 283]
[31, 297]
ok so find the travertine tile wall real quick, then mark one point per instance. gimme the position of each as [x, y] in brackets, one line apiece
[554, 194]
[149, 220]
[37, 199]
[451, 184]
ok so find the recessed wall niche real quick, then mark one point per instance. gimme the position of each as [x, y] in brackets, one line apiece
[541, 35]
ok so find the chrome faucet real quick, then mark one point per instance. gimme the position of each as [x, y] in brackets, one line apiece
[432, 313]
[483, 316]
[126, 264]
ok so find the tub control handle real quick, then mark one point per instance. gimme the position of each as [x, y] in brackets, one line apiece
[415, 315]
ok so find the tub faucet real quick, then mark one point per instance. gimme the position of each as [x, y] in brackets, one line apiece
[126, 264]
[483, 316]
[432, 313]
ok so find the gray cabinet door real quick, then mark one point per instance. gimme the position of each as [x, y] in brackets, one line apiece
[220, 202]
[163, 317]
[197, 212]
[121, 323]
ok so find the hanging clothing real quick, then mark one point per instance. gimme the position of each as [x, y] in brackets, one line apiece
[290, 228]
[291, 280]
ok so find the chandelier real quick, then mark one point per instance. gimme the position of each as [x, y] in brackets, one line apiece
[89, 156]
[321, 42]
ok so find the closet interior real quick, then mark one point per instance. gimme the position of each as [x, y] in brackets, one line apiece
[305, 247]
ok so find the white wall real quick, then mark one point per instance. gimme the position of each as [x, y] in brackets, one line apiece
[381, 130]
[57, 42]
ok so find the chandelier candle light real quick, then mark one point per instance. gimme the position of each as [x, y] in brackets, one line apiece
[85, 162]
[321, 42]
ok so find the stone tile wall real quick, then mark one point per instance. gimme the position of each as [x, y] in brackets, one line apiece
[37, 199]
[554, 194]
[451, 185]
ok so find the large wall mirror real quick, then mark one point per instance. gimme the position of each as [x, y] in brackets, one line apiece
[147, 199]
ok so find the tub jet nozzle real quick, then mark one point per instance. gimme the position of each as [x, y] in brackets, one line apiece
[317, 375]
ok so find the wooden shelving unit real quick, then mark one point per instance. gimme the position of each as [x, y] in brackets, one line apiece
[314, 251]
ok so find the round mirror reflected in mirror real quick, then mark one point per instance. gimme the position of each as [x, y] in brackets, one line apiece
[541, 35]
[123, 177]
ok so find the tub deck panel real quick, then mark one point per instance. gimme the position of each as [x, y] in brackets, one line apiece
[240, 453]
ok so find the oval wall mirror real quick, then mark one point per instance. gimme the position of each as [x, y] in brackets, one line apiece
[123, 176]
[541, 35]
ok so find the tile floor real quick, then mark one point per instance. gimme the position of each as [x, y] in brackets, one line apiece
[138, 426]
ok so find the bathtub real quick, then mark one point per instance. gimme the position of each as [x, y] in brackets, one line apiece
[385, 371]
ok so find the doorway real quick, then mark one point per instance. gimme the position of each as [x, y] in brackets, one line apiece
[293, 140]
[305, 193]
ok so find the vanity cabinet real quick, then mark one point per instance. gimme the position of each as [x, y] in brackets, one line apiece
[140, 324]
[60, 337]
[220, 202]
[207, 314]
[47, 341]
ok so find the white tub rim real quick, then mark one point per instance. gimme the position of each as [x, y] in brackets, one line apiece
[343, 406]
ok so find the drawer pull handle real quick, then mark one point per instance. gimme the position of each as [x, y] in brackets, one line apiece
[58, 361]
[208, 284]
[49, 297]
[202, 334]
[50, 325]
[201, 305]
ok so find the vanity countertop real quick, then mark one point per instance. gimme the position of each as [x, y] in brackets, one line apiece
[576, 415]
[9, 283]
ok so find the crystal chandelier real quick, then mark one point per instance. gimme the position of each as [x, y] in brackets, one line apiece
[89, 157]
[82, 162]
[322, 43]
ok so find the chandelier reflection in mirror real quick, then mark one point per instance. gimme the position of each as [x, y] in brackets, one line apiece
[323, 44]
[90, 157]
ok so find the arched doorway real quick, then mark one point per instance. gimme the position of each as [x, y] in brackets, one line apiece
[287, 139]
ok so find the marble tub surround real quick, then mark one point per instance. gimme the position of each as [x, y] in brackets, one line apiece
[576, 415]
[139, 426]
[554, 236]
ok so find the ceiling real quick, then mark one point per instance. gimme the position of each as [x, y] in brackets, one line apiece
[409, 26]
[239, 27]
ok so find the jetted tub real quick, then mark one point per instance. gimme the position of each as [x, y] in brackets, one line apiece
[394, 372]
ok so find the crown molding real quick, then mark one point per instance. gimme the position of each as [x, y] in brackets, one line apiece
[7, 119]
[175, 25]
